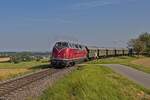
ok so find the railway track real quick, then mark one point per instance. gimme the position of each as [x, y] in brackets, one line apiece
[11, 85]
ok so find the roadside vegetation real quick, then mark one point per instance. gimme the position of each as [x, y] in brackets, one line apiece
[95, 82]
[141, 44]
[114, 60]
[141, 63]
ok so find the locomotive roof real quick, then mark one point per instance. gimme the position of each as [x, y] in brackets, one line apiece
[69, 42]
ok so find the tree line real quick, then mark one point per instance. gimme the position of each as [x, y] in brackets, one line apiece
[17, 57]
[141, 44]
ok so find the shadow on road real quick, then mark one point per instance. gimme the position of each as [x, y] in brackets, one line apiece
[44, 66]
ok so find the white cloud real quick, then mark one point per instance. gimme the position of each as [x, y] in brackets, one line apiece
[91, 4]
[98, 3]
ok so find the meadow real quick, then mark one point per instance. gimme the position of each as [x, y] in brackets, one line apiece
[11, 70]
[29, 65]
[95, 82]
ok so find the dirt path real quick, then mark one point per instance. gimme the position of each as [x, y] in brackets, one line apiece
[133, 74]
[143, 61]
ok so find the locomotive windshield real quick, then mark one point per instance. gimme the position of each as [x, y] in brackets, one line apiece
[61, 44]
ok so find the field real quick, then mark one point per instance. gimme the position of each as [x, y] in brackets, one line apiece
[29, 65]
[144, 62]
[4, 59]
[9, 73]
[141, 63]
[95, 82]
[9, 70]
[114, 60]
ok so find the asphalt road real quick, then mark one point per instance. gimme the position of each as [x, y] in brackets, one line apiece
[139, 77]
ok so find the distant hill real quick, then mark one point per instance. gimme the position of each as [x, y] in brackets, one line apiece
[6, 54]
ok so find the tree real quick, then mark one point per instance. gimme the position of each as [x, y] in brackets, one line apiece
[15, 60]
[137, 45]
[141, 44]
[145, 38]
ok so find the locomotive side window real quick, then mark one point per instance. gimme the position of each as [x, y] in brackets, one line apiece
[70, 45]
[76, 46]
[80, 47]
[73, 45]
[83, 47]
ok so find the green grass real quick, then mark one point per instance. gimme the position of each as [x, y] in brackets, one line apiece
[125, 60]
[7, 76]
[13, 69]
[139, 67]
[113, 60]
[94, 82]
[29, 65]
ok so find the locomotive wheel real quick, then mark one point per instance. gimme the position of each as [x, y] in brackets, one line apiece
[73, 63]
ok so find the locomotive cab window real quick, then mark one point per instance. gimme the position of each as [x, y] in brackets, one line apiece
[61, 44]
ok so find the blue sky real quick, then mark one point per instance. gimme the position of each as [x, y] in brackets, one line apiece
[35, 25]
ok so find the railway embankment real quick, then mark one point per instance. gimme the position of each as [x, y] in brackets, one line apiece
[32, 85]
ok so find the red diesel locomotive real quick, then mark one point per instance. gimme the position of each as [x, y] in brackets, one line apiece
[67, 54]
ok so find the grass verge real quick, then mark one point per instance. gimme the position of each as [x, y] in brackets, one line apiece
[125, 60]
[93, 82]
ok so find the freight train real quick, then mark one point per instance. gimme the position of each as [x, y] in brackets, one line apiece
[68, 54]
